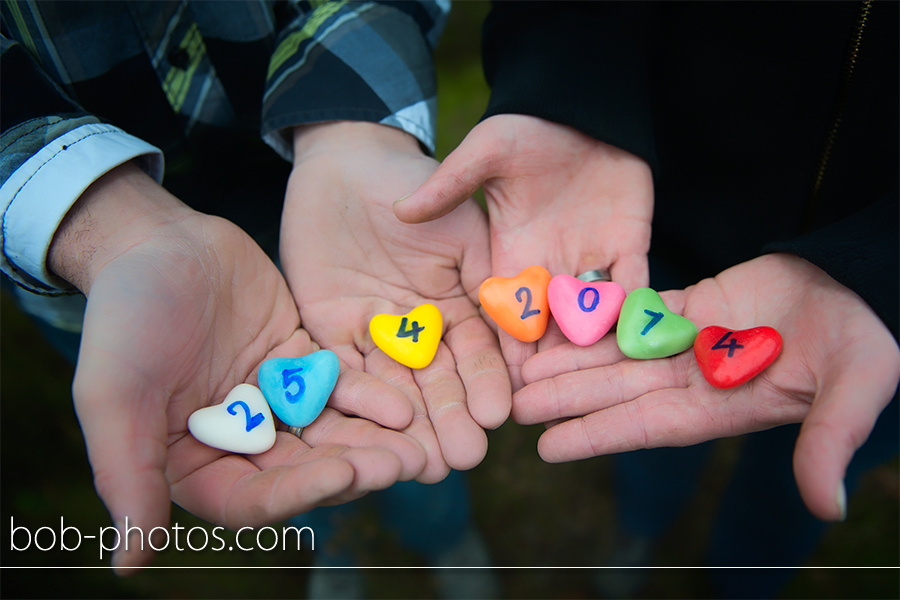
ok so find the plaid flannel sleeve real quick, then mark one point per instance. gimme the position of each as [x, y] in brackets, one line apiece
[367, 61]
[51, 150]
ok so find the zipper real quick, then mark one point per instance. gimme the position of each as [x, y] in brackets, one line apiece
[847, 71]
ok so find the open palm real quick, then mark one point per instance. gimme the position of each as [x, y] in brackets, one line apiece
[347, 258]
[556, 198]
[837, 371]
[172, 325]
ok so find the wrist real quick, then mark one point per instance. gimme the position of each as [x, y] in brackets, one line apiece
[346, 136]
[118, 211]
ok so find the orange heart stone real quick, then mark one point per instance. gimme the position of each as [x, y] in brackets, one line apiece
[518, 304]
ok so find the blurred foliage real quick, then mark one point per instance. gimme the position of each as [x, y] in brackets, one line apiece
[530, 512]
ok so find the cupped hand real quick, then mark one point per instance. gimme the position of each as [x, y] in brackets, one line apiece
[347, 258]
[556, 198]
[181, 308]
[838, 369]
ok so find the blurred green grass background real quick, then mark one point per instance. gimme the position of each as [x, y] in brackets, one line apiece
[531, 513]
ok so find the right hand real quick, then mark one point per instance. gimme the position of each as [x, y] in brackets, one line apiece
[347, 258]
[556, 198]
[838, 370]
[181, 308]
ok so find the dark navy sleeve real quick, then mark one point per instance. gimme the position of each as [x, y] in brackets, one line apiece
[862, 252]
[582, 64]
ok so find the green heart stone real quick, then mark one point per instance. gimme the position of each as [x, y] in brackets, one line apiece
[647, 329]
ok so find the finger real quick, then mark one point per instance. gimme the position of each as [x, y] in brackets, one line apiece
[125, 437]
[553, 336]
[631, 272]
[480, 364]
[492, 325]
[371, 473]
[676, 416]
[333, 428]
[475, 262]
[289, 479]
[376, 466]
[360, 394]
[235, 493]
[663, 418]
[463, 443]
[515, 353]
[454, 181]
[839, 422]
[568, 358]
[583, 392]
[420, 428]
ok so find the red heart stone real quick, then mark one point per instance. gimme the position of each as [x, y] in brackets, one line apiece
[728, 357]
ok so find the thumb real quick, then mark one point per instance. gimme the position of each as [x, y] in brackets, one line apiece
[126, 443]
[455, 180]
[838, 423]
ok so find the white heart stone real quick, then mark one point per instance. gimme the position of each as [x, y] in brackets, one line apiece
[242, 423]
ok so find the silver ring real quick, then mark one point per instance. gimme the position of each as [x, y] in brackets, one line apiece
[595, 275]
[295, 430]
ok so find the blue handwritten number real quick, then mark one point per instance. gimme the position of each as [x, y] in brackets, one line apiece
[527, 311]
[653, 321]
[251, 421]
[593, 305]
[413, 333]
[291, 376]
[731, 346]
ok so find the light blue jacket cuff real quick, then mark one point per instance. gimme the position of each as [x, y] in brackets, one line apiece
[38, 194]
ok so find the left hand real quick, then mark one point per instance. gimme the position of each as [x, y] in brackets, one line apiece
[347, 258]
[837, 371]
[181, 307]
[556, 197]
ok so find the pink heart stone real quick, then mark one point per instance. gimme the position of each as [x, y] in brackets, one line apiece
[585, 312]
[730, 357]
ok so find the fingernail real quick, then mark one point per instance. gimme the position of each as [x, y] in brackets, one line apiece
[842, 500]
[402, 199]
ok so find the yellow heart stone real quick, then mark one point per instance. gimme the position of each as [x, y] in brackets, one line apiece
[411, 339]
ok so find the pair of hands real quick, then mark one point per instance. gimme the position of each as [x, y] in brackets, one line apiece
[838, 370]
[346, 257]
[184, 306]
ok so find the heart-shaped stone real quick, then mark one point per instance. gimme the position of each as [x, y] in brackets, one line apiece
[242, 423]
[518, 304]
[411, 339]
[648, 329]
[584, 311]
[729, 357]
[298, 388]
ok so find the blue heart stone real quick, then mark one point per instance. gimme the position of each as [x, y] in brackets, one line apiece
[298, 388]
